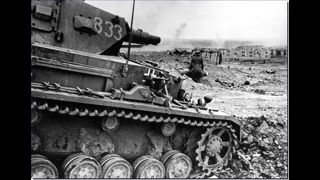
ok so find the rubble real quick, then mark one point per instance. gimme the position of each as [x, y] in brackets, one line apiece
[262, 148]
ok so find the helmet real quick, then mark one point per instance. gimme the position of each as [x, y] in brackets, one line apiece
[208, 98]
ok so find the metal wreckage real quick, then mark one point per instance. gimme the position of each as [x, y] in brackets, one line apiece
[96, 113]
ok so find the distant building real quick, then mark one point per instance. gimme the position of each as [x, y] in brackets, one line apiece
[279, 52]
[257, 52]
[250, 52]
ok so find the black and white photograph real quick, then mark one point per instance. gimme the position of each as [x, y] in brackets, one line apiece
[164, 89]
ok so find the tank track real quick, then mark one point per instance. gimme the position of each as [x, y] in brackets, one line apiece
[139, 116]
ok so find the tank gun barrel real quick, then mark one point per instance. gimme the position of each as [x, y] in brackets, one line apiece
[141, 37]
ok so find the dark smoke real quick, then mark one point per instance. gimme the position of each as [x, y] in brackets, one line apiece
[180, 30]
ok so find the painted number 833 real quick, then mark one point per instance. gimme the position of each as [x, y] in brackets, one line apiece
[110, 31]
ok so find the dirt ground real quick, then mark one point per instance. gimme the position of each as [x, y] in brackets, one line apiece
[254, 93]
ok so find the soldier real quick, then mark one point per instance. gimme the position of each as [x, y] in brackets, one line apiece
[219, 58]
[196, 67]
[204, 101]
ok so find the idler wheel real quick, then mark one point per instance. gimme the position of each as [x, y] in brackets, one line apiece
[80, 165]
[178, 165]
[41, 167]
[168, 129]
[110, 124]
[148, 167]
[35, 117]
[114, 166]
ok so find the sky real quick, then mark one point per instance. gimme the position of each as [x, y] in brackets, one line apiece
[210, 19]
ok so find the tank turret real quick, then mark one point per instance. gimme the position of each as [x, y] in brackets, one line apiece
[79, 26]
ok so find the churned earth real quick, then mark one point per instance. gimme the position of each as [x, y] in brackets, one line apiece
[257, 94]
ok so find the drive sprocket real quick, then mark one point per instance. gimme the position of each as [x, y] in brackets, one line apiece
[215, 147]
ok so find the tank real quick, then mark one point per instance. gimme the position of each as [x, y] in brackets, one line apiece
[95, 113]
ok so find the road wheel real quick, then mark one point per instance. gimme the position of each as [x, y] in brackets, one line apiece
[149, 168]
[80, 165]
[41, 167]
[178, 165]
[115, 166]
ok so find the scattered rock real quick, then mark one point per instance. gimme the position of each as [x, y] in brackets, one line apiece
[263, 128]
[281, 123]
[267, 140]
[244, 158]
[279, 165]
[270, 71]
[265, 175]
[254, 150]
[244, 135]
[263, 145]
[250, 139]
[250, 127]
[256, 155]
[259, 91]
[276, 94]
[256, 159]
[213, 177]
[256, 121]
[269, 154]
[224, 83]
[272, 122]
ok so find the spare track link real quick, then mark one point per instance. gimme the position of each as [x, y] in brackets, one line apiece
[126, 114]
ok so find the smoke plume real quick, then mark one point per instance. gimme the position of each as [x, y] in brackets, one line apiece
[180, 30]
